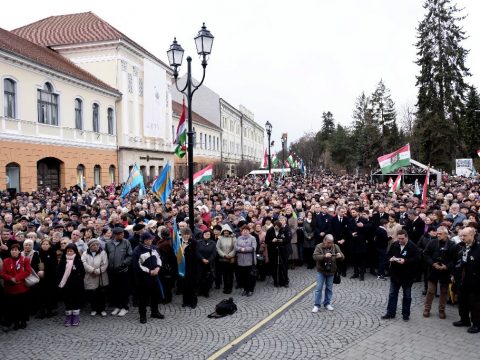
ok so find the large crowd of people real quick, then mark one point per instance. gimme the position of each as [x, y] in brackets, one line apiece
[70, 249]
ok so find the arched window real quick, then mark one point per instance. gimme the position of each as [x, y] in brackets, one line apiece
[47, 103]
[81, 176]
[78, 114]
[95, 115]
[111, 123]
[13, 176]
[111, 174]
[97, 175]
[9, 98]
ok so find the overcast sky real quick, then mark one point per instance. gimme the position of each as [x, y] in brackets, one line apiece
[286, 61]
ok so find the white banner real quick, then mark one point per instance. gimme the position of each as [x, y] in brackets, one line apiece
[154, 100]
[464, 167]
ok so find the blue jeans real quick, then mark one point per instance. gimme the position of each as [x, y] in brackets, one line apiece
[395, 286]
[321, 280]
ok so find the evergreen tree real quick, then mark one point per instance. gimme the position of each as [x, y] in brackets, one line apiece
[383, 108]
[328, 126]
[471, 123]
[341, 149]
[441, 85]
[366, 139]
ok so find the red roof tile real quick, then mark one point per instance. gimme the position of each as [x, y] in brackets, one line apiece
[177, 109]
[47, 58]
[74, 29]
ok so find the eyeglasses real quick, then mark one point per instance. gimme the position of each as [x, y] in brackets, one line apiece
[63, 243]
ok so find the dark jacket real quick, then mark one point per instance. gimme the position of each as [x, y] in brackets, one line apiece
[145, 259]
[321, 223]
[415, 229]
[381, 238]
[281, 246]
[341, 230]
[75, 280]
[405, 271]
[359, 240]
[440, 252]
[119, 256]
[324, 265]
[469, 267]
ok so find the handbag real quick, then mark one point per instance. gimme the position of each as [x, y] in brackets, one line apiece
[32, 279]
[253, 269]
[337, 279]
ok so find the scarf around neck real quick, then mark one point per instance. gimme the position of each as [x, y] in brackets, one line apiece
[68, 270]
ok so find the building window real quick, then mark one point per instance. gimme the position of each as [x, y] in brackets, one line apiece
[12, 171]
[152, 173]
[78, 114]
[47, 103]
[81, 176]
[201, 140]
[140, 87]
[209, 142]
[110, 121]
[9, 96]
[96, 125]
[111, 174]
[130, 83]
[97, 177]
[217, 144]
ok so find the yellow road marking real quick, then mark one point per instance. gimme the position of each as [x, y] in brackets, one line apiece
[253, 329]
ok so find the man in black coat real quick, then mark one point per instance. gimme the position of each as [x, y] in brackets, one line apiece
[381, 244]
[358, 248]
[321, 223]
[469, 286]
[403, 257]
[278, 238]
[440, 256]
[415, 226]
[341, 229]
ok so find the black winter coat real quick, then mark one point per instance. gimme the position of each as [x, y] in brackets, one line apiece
[440, 252]
[406, 271]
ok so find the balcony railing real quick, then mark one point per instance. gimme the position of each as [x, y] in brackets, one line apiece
[28, 130]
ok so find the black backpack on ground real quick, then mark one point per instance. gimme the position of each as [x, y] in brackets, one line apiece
[224, 308]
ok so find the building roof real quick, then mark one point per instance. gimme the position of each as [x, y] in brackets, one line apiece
[74, 29]
[177, 109]
[48, 58]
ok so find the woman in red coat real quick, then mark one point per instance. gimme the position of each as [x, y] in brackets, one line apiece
[14, 272]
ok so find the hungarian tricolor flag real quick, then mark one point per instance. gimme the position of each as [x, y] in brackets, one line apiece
[396, 185]
[395, 160]
[478, 152]
[425, 188]
[181, 136]
[268, 181]
[264, 163]
[390, 182]
[201, 176]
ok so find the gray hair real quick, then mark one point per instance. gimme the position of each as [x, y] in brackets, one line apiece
[328, 237]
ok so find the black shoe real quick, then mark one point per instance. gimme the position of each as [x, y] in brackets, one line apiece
[286, 285]
[184, 305]
[387, 316]
[41, 315]
[354, 276]
[217, 287]
[157, 316]
[227, 291]
[249, 293]
[373, 272]
[16, 326]
[51, 313]
[193, 306]
[244, 293]
[344, 274]
[362, 277]
[424, 292]
[275, 285]
[473, 329]
[461, 323]
[143, 319]
[405, 317]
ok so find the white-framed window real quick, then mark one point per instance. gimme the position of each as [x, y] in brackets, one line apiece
[97, 175]
[78, 114]
[95, 117]
[111, 121]
[47, 105]
[9, 98]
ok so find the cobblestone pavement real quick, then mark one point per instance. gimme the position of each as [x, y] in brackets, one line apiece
[353, 331]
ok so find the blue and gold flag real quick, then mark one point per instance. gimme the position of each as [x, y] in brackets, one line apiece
[162, 187]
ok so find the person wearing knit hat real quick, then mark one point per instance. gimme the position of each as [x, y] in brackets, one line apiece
[206, 253]
[71, 272]
[146, 266]
[95, 262]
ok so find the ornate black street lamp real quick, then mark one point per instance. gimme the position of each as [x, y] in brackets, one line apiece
[268, 128]
[204, 42]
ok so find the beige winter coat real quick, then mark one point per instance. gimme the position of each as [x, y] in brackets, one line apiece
[94, 266]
